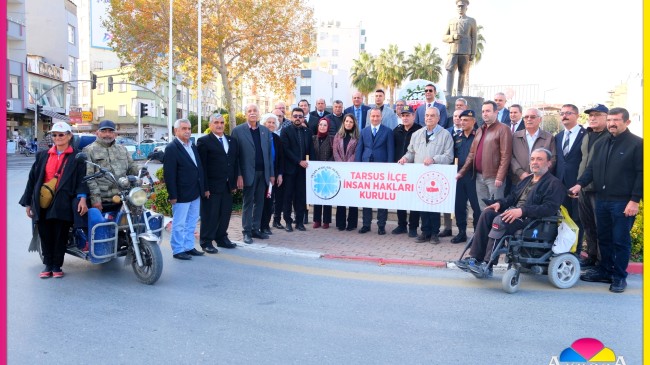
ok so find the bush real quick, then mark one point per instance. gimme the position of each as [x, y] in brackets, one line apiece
[637, 236]
[159, 200]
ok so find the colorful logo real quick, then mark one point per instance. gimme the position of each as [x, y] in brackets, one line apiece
[587, 351]
[326, 182]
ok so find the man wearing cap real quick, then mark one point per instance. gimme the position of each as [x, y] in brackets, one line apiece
[430, 101]
[111, 156]
[465, 186]
[402, 135]
[461, 36]
[430, 145]
[597, 129]
[616, 170]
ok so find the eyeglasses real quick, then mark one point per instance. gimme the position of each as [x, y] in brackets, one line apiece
[58, 135]
[297, 116]
[428, 90]
[566, 113]
[530, 117]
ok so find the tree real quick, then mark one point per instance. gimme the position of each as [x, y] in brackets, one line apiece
[390, 68]
[480, 45]
[363, 75]
[424, 63]
[240, 39]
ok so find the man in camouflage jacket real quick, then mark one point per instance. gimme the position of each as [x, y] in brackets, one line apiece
[111, 156]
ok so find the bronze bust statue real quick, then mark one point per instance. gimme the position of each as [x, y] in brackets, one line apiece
[461, 36]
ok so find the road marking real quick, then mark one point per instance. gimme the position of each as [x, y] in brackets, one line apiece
[469, 282]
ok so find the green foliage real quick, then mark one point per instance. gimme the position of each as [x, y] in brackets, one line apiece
[237, 200]
[480, 45]
[363, 75]
[391, 70]
[159, 175]
[159, 200]
[239, 119]
[424, 63]
[637, 236]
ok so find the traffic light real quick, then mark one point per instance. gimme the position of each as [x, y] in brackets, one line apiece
[39, 108]
[93, 81]
[164, 111]
[110, 83]
[143, 109]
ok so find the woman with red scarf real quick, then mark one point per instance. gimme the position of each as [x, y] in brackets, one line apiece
[323, 152]
[54, 222]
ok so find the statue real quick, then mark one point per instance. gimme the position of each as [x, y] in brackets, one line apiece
[461, 36]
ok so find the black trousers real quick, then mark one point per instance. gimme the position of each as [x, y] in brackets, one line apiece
[413, 219]
[482, 245]
[215, 217]
[295, 194]
[323, 213]
[430, 223]
[352, 218]
[587, 211]
[466, 190]
[366, 217]
[54, 239]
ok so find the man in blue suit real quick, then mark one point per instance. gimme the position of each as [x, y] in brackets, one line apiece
[568, 144]
[183, 174]
[255, 171]
[503, 113]
[430, 101]
[358, 109]
[376, 144]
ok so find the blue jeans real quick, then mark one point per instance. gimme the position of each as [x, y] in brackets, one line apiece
[614, 237]
[186, 215]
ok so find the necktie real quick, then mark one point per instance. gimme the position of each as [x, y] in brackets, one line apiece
[429, 105]
[565, 146]
[320, 114]
[357, 113]
[512, 126]
[374, 131]
[220, 140]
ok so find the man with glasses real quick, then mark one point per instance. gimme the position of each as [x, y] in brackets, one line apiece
[526, 141]
[430, 102]
[569, 155]
[297, 145]
[111, 156]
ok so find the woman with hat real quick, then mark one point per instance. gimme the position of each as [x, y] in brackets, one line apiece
[54, 220]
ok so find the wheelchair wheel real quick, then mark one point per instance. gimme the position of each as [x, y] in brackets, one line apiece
[510, 281]
[564, 271]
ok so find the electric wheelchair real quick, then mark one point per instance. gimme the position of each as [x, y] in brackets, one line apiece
[530, 250]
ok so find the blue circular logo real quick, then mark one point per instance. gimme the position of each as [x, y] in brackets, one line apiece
[325, 182]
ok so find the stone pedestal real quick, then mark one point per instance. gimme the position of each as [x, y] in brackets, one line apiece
[474, 103]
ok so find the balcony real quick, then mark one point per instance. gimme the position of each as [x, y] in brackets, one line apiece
[15, 30]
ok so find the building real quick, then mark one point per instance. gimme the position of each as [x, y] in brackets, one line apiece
[16, 72]
[327, 73]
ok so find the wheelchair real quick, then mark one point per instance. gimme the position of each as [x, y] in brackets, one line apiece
[530, 250]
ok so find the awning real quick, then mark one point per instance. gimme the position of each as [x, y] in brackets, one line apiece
[52, 114]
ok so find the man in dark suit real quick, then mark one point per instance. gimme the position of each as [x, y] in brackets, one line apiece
[218, 154]
[503, 113]
[297, 146]
[255, 171]
[568, 144]
[430, 101]
[376, 144]
[335, 119]
[304, 105]
[183, 174]
[516, 120]
[358, 109]
[320, 111]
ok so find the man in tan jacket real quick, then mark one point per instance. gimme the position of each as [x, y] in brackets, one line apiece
[489, 157]
[527, 140]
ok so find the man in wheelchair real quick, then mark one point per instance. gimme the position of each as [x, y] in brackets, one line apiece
[538, 195]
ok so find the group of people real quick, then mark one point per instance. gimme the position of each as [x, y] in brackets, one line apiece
[508, 169]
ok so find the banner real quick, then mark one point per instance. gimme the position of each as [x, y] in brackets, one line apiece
[382, 185]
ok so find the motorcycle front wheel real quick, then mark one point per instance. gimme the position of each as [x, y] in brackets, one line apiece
[152, 261]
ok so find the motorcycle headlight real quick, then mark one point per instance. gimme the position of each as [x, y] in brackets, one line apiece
[124, 182]
[137, 197]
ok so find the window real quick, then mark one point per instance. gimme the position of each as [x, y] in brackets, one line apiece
[305, 82]
[71, 34]
[85, 90]
[98, 66]
[335, 53]
[72, 65]
[122, 87]
[121, 112]
[100, 88]
[100, 111]
[15, 87]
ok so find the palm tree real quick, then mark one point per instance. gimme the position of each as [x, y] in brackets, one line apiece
[390, 67]
[363, 75]
[480, 42]
[424, 63]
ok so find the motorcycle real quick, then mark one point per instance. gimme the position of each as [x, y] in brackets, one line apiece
[133, 231]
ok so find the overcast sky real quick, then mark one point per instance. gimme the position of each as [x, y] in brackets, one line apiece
[580, 49]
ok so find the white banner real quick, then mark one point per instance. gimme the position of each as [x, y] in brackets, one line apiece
[382, 185]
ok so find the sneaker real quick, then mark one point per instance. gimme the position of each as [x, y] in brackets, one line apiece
[413, 233]
[460, 237]
[57, 272]
[399, 230]
[618, 285]
[481, 271]
[596, 275]
[46, 273]
[465, 263]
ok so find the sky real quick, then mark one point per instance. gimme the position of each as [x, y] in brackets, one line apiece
[576, 50]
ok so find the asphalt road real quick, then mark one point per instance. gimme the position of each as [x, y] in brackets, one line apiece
[250, 305]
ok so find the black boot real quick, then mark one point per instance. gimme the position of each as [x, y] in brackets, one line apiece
[460, 237]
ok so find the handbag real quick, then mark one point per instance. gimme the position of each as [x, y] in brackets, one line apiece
[567, 234]
[48, 189]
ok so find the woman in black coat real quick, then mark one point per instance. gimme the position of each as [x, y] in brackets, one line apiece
[54, 222]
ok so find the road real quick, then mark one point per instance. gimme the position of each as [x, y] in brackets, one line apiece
[249, 306]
